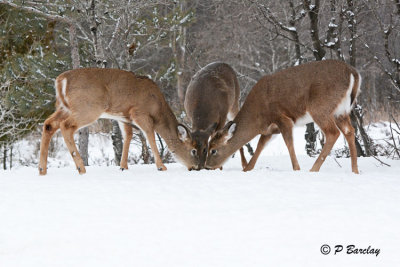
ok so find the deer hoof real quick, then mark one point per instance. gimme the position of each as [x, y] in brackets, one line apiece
[81, 170]
[42, 171]
[162, 168]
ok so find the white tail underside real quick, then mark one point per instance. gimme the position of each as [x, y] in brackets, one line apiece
[344, 106]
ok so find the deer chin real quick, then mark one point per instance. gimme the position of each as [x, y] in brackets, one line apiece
[214, 168]
[194, 168]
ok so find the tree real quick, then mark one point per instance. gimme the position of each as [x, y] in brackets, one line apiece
[27, 66]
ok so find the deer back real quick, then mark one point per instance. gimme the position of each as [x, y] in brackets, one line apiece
[323, 88]
[109, 91]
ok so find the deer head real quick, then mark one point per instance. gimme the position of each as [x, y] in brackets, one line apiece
[219, 147]
[200, 140]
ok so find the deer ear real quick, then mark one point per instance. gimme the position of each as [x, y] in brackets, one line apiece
[231, 130]
[183, 133]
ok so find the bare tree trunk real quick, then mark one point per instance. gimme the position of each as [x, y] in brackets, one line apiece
[295, 34]
[179, 50]
[4, 157]
[84, 132]
[356, 115]
[354, 123]
[311, 139]
[145, 149]
[116, 142]
[101, 62]
[319, 53]
[11, 156]
[313, 12]
[84, 145]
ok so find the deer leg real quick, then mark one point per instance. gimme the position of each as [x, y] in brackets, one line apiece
[68, 128]
[332, 133]
[127, 128]
[347, 129]
[286, 128]
[243, 158]
[50, 127]
[152, 142]
[146, 124]
[264, 139]
[260, 146]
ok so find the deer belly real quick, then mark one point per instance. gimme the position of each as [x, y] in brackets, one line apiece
[303, 120]
[117, 117]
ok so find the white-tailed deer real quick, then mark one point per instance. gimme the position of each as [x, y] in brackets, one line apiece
[212, 96]
[84, 95]
[323, 92]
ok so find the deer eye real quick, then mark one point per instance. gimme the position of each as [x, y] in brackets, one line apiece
[193, 152]
[213, 151]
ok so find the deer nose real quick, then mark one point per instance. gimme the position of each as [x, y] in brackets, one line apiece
[201, 165]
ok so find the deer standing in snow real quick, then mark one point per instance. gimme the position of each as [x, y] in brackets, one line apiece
[212, 96]
[84, 95]
[322, 91]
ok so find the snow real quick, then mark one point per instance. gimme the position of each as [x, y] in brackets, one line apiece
[292, 29]
[185, 19]
[332, 25]
[330, 44]
[271, 216]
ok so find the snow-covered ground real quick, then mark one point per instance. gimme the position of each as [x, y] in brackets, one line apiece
[271, 216]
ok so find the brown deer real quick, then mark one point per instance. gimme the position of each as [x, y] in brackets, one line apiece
[84, 95]
[323, 92]
[212, 96]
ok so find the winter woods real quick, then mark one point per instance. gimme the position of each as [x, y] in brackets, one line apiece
[169, 41]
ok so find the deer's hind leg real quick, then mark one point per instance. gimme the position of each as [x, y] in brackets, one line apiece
[127, 130]
[344, 124]
[68, 128]
[331, 132]
[50, 127]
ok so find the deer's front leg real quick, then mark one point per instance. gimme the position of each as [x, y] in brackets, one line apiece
[260, 146]
[264, 139]
[146, 124]
[243, 158]
[68, 127]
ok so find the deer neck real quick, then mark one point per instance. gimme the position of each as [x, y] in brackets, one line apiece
[167, 126]
[246, 130]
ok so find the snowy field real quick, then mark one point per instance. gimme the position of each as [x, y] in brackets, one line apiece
[271, 216]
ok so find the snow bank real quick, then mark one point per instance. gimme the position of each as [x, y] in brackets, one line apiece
[271, 216]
